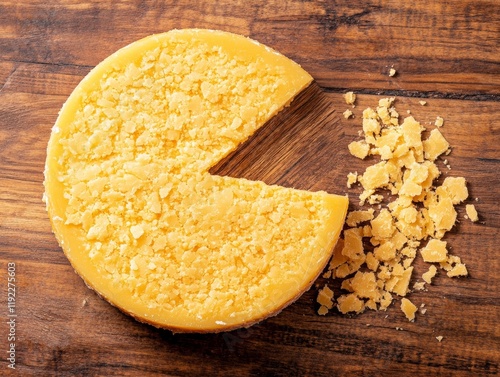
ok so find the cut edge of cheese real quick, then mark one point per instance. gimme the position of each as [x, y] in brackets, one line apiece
[72, 238]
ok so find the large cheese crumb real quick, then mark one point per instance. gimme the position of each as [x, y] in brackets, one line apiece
[435, 251]
[375, 259]
[325, 297]
[359, 149]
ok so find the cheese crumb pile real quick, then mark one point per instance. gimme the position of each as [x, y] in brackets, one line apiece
[374, 259]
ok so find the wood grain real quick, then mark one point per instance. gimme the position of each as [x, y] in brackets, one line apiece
[437, 47]
[446, 52]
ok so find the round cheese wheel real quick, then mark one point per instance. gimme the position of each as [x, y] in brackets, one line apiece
[135, 209]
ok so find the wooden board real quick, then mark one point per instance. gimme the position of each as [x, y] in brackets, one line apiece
[444, 52]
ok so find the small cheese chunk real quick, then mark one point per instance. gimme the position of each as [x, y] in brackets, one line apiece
[427, 276]
[350, 303]
[359, 149]
[456, 188]
[383, 225]
[401, 287]
[365, 286]
[323, 310]
[356, 217]
[352, 178]
[435, 145]
[435, 251]
[325, 297]
[471, 212]
[409, 309]
[347, 114]
[350, 98]
[439, 122]
[458, 270]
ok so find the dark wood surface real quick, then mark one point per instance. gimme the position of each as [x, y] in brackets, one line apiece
[446, 52]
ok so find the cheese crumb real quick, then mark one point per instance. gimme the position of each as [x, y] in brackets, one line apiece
[458, 270]
[325, 297]
[423, 103]
[350, 303]
[356, 217]
[435, 251]
[419, 286]
[359, 149]
[439, 122]
[347, 114]
[392, 72]
[409, 309]
[323, 310]
[471, 212]
[435, 145]
[352, 178]
[439, 338]
[350, 98]
[427, 276]
[137, 231]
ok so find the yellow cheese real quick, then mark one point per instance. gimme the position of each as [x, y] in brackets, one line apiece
[409, 309]
[429, 275]
[359, 149]
[458, 270]
[401, 287]
[383, 225]
[439, 122]
[356, 217]
[325, 297]
[365, 286]
[435, 145]
[471, 212]
[135, 209]
[352, 178]
[456, 189]
[350, 303]
[435, 251]
[323, 310]
[350, 98]
[347, 114]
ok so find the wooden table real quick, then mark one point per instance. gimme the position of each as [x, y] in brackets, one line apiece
[445, 52]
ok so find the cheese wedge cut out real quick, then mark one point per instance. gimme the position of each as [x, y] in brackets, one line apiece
[137, 213]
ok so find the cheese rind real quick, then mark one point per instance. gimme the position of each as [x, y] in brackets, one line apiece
[143, 221]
